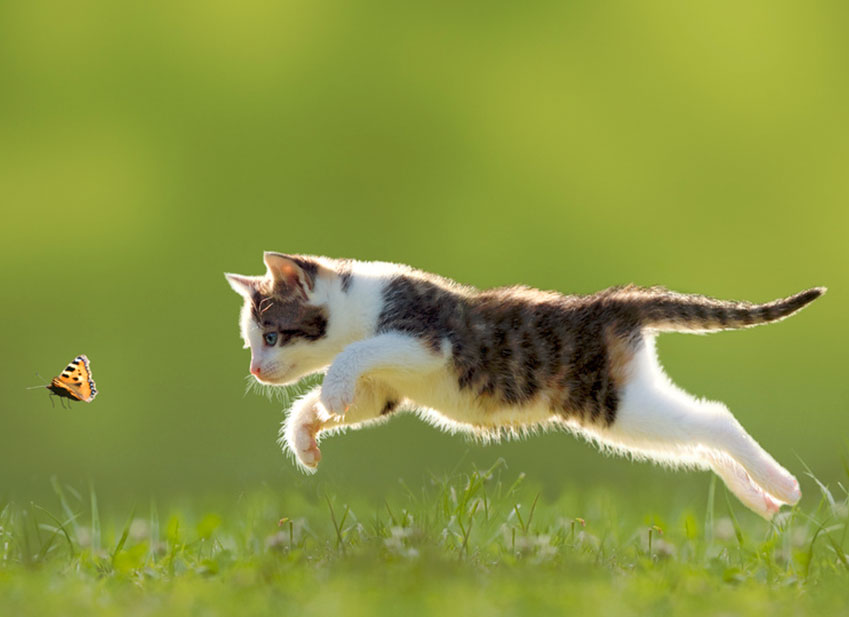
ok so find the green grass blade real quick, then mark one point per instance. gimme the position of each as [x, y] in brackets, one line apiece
[124, 535]
[62, 527]
[95, 520]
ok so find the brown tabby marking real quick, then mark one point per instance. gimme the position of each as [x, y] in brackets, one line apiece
[346, 274]
[662, 309]
[513, 344]
[284, 311]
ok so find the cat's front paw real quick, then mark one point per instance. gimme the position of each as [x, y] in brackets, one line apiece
[305, 446]
[337, 396]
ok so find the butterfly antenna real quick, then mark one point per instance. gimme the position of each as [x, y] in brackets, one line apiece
[34, 387]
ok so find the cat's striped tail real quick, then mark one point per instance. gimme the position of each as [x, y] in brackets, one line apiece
[667, 311]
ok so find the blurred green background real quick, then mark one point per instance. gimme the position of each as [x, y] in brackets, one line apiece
[147, 148]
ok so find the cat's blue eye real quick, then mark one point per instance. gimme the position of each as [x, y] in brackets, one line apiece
[270, 338]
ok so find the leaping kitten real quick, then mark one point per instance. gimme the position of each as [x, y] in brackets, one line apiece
[499, 362]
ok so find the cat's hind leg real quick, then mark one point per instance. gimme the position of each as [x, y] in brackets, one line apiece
[308, 419]
[657, 420]
[742, 456]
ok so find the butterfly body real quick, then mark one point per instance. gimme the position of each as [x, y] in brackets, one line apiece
[75, 381]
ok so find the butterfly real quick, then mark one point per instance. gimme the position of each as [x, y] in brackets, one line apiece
[75, 381]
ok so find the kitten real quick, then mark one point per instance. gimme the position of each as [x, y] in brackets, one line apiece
[499, 363]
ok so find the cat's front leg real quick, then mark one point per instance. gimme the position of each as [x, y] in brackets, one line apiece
[309, 419]
[339, 388]
[300, 429]
[388, 353]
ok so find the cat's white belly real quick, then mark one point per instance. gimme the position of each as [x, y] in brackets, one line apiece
[436, 394]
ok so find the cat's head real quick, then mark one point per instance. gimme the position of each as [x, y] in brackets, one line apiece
[283, 322]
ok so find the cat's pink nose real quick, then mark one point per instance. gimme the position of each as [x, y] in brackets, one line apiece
[255, 369]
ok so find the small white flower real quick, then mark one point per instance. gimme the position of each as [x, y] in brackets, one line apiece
[724, 529]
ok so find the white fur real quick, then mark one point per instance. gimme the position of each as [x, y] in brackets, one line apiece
[392, 357]
[659, 421]
[655, 420]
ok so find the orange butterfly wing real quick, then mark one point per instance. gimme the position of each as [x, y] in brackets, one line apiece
[75, 381]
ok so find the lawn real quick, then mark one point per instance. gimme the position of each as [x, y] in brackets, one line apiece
[476, 542]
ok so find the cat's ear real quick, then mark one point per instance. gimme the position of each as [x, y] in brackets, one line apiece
[291, 271]
[242, 285]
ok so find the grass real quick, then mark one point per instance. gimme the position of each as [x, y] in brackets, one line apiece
[477, 542]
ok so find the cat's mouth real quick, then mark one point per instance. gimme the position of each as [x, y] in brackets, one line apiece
[276, 375]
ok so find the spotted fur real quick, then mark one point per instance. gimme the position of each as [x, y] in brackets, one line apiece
[498, 362]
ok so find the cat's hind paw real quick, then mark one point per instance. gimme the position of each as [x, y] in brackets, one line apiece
[739, 482]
